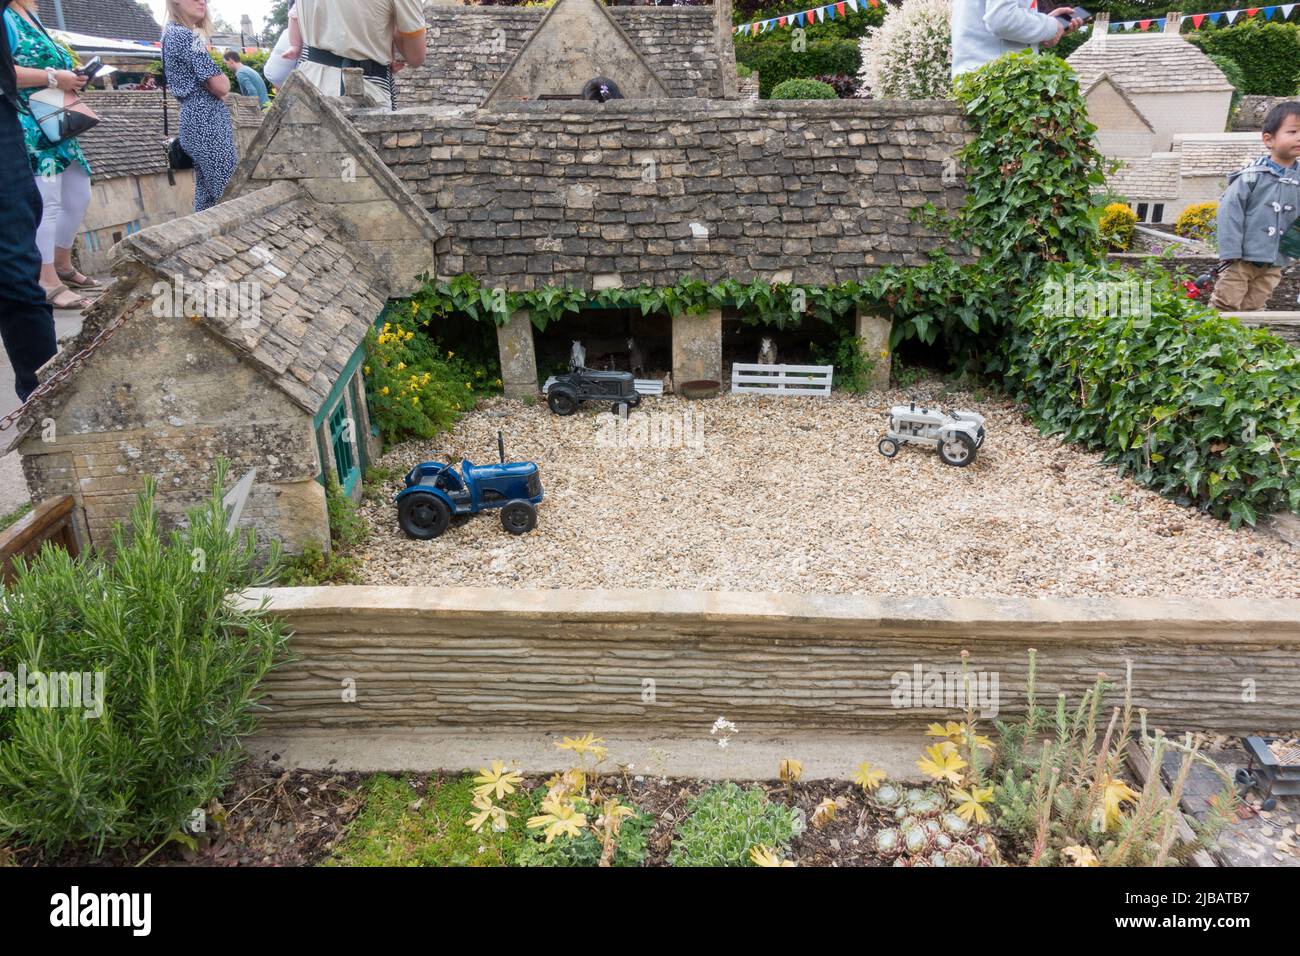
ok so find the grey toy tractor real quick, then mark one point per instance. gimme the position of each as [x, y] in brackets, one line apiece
[957, 435]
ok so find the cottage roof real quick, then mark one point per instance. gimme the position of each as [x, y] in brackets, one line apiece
[1105, 80]
[1146, 63]
[128, 141]
[470, 49]
[110, 19]
[318, 292]
[1148, 177]
[1216, 154]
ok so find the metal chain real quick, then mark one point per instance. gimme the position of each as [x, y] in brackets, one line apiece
[72, 365]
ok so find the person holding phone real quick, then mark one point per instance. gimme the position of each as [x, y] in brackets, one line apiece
[983, 30]
[61, 170]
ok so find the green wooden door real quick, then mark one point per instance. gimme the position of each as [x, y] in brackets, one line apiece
[342, 438]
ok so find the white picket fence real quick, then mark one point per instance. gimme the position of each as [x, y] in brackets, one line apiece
[644, 386]
[782, 379]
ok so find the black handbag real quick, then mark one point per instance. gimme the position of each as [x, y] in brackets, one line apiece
[177, 158]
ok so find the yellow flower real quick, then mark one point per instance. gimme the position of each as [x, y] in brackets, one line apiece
[384, 390]
[488, 811]
[790, 770]
[497, 781]
[943, 763]
[366, 369]
[590, 744]
[559, 819]
[970, 803]
[1081, 856]
[401, 365]
[868, 777]
[1114, 792]
[766, 856]
[451, 355]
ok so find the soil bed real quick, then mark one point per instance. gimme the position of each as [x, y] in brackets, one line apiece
[791, 495]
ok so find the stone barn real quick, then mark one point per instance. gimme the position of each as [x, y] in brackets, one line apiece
[493, 167]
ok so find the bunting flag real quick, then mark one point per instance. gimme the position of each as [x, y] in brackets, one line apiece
[842, 8]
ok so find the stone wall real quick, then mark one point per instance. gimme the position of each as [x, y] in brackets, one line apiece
[563, 192]
[671, 662]
[1251, 110]
[1283, 299]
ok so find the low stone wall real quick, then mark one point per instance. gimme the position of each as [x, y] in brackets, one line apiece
[370, 658]
[1284, 297]
[575, 192]
[1251, 110]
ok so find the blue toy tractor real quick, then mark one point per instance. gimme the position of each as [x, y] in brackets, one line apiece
[434, 492]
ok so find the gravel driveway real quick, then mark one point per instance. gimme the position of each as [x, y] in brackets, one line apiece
[790, 494]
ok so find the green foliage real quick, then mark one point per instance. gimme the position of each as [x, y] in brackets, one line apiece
[1118, 220]
[348, 531]
[180, 664]
[853, 366]
[776, 60]
[1232, 70]
[584, 850]
[256, 60]
[725, 822]
[1191, 403]
[1198, 221]
[743, 71]
[12, 517]
[415, 387]
[1268, 54]
[803, 89]
[398, 827]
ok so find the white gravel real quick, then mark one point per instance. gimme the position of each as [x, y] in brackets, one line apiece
[790, 494]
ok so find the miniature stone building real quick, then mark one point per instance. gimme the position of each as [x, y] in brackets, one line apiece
[1161, 106]
[236, 332]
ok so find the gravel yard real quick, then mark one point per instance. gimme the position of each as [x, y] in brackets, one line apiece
[789, 494]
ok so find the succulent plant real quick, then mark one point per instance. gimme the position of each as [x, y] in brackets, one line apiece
[937, 859]
[962, 854]
[889, 843]
[915, 840]
[942, 841]
[954, 825]
[887, 795]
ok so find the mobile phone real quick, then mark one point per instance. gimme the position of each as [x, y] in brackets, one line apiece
[1078, 13]
[90, 68]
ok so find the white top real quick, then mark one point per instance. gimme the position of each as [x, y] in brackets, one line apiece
[359, 29]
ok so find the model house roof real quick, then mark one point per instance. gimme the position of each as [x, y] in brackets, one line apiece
[128, 141]
[1147, 177]
[1216, 154]
[1147, 63]
[110, 19]
[470, 49]
[1104, 81]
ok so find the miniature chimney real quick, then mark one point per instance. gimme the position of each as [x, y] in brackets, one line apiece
[1173, 22]
[1100, 27]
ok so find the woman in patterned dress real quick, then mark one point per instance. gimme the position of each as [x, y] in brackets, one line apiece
[201, 87]
[62, 173]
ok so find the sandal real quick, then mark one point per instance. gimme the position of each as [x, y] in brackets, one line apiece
[78, 303]
[72, 282]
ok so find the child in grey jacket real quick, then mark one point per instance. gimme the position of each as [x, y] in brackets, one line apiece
[1261, 202]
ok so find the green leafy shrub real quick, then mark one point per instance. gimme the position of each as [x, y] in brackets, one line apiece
[1268, 53]
[348, 531]
[853, 366]
[776, 60]
[585, 849]
[803, 89]
[1118, 221]
[1198, 221]
[1231, 69]
[1192, 404]
[909, 56]
[743, 71]
[725, 822]
[180, 665]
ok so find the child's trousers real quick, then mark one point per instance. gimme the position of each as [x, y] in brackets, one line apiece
[1245, 286]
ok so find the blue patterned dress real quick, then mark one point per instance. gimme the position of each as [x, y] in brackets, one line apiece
[205, 129]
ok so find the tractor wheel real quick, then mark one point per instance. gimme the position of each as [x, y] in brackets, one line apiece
[423, 516]
[958, 451]
[519, 517]
[888, 447]
[562, 403]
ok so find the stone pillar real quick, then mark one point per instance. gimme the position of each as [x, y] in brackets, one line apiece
[697, 347]
[518, 357]
[727, 80]
[873, 330]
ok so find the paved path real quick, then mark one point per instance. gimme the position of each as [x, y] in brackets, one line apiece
[13, 489]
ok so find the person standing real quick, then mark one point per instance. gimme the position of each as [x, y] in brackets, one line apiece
[199, 85]
[62, 172]
[379, 36]
[983, 30]
[250, 83]
[26, 319]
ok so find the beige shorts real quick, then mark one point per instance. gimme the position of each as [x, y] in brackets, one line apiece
[329, 80]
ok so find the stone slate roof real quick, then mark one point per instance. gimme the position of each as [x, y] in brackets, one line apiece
[129, 138]
[1217, 154]
[1153, 177]
[320, 292]
[1159, 63]
[464, 62]
[109, 19]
